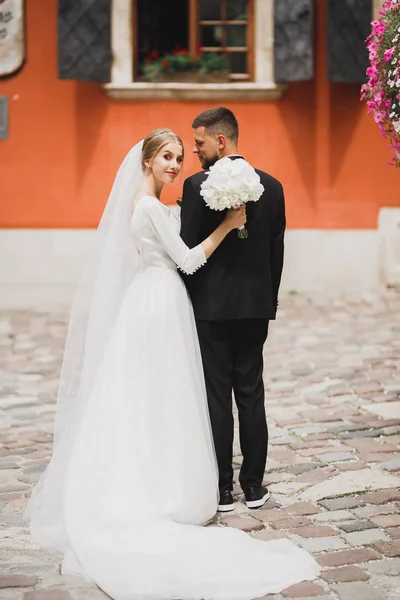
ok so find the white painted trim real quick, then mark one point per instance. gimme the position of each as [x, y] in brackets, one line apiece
[194, 91]
[376, 6]
[123, 87]
[121, 42]
[39, 268]
[264, 41]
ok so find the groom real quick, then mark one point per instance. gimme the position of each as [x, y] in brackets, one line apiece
[234, 296]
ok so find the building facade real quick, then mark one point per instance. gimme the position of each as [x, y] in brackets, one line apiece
[78, 103]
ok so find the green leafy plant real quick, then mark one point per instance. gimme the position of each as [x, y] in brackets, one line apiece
[181, 60]
[213, 61]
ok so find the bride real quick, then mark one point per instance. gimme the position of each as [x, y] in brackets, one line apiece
[132, 481]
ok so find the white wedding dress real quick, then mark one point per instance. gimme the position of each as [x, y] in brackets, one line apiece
[142, 478]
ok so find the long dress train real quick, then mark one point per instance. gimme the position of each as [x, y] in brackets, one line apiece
[142, 477]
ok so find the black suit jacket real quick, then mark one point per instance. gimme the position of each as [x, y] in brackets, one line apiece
[241, 279]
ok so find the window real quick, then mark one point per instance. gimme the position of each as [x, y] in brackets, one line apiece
[215, 26]
[226, 25]
[269, 42]
[243, 28]
[151, 37]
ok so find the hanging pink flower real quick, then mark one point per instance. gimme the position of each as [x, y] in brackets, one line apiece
[381, 91]
[388, 54]
[379, 97]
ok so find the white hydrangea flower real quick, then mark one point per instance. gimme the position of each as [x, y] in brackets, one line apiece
[230, 184]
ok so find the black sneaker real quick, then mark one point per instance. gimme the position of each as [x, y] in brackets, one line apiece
[226, 502]
[256, 496]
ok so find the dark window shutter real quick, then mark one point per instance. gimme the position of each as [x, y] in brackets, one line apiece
[349, 24]
[293, 40]
[84, 40]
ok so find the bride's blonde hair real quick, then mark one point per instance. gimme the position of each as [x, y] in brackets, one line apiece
[154, 143]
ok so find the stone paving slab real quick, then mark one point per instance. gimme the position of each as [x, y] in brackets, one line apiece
[332, 384]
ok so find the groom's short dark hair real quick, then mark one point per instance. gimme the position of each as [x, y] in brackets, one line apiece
[218, 120]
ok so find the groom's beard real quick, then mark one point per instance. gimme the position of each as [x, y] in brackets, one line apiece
[206, 163]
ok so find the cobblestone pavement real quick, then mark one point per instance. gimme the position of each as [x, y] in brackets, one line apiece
[332, 377]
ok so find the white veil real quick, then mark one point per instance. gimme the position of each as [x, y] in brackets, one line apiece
[110, 266]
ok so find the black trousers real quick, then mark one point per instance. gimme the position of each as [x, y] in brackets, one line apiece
[232, 359]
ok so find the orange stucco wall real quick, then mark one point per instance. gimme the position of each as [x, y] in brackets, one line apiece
[67, 140]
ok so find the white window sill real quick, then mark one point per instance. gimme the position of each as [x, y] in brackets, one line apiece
[194, 91]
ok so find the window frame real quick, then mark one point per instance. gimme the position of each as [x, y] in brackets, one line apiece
[376, 6]
[196, 23]
[123, 44]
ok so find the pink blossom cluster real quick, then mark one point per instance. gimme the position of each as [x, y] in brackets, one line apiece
[382, 90]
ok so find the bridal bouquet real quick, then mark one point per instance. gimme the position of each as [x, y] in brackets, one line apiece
[230, 184]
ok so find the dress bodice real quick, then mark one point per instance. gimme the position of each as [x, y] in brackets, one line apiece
[155, 232]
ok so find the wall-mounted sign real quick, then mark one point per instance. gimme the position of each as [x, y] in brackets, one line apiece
[3, 118]
[12, 36]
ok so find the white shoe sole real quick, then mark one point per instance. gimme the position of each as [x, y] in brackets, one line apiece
[225, 507]
[257, 503]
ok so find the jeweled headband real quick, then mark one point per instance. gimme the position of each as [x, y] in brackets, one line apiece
[163, 133]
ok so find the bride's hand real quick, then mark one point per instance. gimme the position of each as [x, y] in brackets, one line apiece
[236, 217]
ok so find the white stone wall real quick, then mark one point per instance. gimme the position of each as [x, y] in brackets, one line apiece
[331, 261]
[389, 246]
[40, 268]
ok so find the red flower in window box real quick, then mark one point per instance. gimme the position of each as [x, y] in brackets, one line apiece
[181, 64]
[179, 51]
